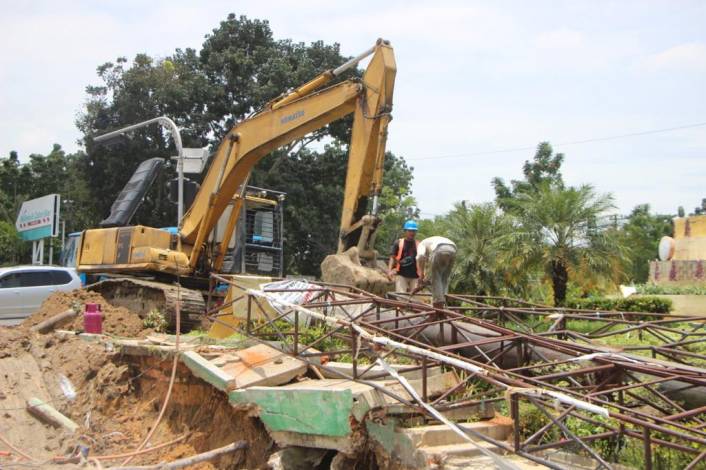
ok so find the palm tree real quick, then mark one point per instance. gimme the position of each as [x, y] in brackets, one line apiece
[559, 232]
[483, 235]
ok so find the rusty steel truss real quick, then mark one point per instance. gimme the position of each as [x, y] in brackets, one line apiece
[583, 396]
[675, 338]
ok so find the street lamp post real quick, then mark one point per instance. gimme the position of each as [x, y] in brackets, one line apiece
[169, 124]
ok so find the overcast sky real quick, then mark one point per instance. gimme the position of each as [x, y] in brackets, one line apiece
[473, 78]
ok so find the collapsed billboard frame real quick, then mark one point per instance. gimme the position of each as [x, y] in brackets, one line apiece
[626, 399]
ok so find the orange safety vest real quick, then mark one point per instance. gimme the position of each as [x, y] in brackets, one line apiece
[400, 248]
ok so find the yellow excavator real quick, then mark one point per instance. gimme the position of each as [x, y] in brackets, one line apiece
[195, 250]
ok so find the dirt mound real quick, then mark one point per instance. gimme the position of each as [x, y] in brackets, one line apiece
[117, 321]
[115, 400]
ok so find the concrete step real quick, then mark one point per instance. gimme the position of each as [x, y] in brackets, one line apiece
[442, 435]
[442, 453]
[471, 412]
[487, 463]
[469, 456]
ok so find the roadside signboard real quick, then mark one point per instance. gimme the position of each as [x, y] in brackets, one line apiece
[39, 218]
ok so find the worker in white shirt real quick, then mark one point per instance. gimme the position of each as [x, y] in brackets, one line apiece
[435, 259]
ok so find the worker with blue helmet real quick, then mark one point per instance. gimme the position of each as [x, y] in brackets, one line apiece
[403, 259]
[410, 225]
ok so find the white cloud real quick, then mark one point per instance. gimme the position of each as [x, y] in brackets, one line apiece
[560, 39]
[472, 76]
[688, 56]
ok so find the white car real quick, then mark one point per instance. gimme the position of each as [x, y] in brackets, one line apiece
[24, 288]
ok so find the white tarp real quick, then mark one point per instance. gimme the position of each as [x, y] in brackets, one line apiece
[299, 291]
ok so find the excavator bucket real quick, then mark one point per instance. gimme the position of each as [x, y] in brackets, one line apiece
[345, 268]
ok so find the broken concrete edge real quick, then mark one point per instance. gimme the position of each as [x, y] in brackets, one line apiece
[397, 445]
[322, 412]
[286, 439]
[207, 371]
[135, 346]
[49, 414]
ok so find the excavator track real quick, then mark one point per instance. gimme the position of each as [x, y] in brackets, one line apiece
[142, 296]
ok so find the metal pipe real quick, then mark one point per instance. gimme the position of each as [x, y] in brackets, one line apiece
[352, 62]
[376, 199]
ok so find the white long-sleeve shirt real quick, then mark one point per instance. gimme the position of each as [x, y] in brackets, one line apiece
[428, 245]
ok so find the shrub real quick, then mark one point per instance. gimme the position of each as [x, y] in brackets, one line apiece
[647, 304]
[652, 289]
[156, 320]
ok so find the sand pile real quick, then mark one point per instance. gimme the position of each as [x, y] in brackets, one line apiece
[117, 321]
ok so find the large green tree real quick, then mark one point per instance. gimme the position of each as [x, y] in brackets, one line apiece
[10, 244]
[641, 232]
[544, 168]
[15, 186]
[55, 172]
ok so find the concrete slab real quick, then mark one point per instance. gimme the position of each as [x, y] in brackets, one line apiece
[135, 347]
[427, 457]
[364, 396]
[345, 444]
[435, 387]
[314, 411]
[206, 370]
[262, 366]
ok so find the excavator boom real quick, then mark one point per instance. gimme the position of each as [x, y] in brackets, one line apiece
[291, 117]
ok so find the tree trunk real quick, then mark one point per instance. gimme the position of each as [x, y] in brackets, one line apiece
[560, 277]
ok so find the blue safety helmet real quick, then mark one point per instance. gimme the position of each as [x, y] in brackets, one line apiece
[410, 225]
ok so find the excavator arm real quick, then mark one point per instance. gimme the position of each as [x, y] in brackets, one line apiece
[289, 118]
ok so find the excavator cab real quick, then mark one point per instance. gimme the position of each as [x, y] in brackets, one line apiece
[256, 246]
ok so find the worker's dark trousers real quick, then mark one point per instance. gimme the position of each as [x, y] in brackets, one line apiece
[441, 262]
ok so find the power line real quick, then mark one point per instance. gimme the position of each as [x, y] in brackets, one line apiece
[574, 142]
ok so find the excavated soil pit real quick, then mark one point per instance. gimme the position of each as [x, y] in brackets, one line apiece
[117, 399]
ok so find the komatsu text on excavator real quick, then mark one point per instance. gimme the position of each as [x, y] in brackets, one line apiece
[200, 245]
